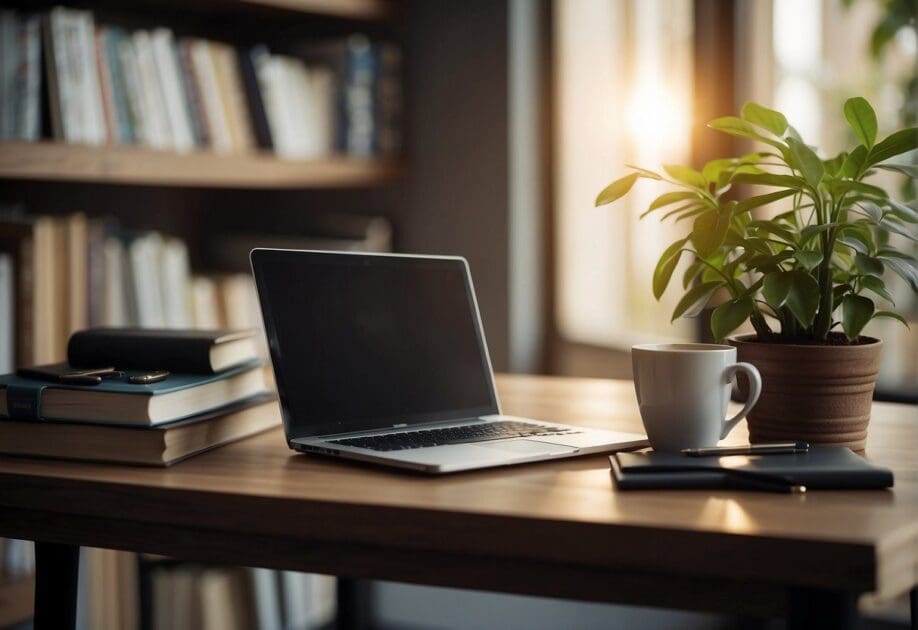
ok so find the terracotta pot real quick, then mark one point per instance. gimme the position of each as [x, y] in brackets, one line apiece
[821, 394]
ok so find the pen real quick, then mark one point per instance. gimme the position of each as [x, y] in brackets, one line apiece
[772, 448]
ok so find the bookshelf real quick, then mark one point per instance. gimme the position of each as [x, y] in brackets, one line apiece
[59, 162]
[352, 9]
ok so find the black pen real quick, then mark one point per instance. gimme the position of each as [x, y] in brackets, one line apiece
[771, 448]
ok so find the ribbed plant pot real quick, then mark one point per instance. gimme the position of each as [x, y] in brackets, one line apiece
[818, 393]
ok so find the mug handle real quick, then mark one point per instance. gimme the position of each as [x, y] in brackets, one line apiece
[755, 388]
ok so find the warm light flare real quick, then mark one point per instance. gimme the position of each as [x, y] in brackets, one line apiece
[655, 117]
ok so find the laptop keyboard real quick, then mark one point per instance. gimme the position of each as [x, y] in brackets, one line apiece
[499, 430]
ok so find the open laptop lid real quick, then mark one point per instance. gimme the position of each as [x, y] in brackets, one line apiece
[371, 341]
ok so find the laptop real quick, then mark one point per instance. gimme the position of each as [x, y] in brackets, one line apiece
[382, 358]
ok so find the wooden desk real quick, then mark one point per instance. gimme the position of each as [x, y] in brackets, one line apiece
[559, 529]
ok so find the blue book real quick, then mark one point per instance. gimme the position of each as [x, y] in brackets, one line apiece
[120, 402]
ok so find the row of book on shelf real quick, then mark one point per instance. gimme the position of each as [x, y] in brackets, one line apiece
[63, 273]
[108, 85]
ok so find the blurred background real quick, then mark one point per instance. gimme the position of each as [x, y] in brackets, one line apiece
[483, 128]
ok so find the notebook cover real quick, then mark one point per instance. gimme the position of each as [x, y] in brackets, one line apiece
[175, 382]
[180, 351]
[823, 467]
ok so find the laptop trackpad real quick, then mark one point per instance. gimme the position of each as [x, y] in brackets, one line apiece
[527, 447]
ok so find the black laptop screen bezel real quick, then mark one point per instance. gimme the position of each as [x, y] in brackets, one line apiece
[296, 430]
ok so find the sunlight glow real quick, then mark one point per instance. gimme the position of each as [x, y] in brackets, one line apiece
[655, 117]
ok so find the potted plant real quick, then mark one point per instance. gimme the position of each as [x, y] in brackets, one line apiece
[808, 279]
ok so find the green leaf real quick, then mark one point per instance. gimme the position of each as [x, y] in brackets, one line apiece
[687, 211]
[803, 297]
[868, 266]
[617, 189]
[768, 119]
[665, 267]
[772, 228]
[776, 287]
[904, 267]
[854, 244]
[808, 259]
[712, 169]
[812, 230]
[728, 316]
[894, 144]
[856, 312]
[694, 301]
[760, 200]
[909, 170]
[770, 179]
[809, 163]
[692, 272]
[686, 175]
[904, 211]
[862, 118]
[872, 283]
[891, 315]
[709, 232]
[897, 227]
[643, 172]
[667, 198]
[855, 162]
[738, 127]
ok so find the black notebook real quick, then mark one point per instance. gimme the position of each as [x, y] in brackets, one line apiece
[182, 351]
[823, 467]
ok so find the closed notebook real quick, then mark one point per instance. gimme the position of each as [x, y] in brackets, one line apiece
[119, 402]
[823, 467]
[162, 445]
[185, 351]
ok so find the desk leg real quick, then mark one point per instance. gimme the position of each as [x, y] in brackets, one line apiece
[913, 604]
[56, 570]
[355, 604]
[816, 608]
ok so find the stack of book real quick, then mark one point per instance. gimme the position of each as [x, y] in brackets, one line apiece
[108, 85]
[60, 274]
[216, 393]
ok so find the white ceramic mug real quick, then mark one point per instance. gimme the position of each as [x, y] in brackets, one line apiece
[683, 390]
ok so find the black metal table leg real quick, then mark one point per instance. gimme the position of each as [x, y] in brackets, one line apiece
[913, 605]
[56, 570]
[814, 609]
[355, 604]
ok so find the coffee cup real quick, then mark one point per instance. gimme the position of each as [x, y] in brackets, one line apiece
[683, 390]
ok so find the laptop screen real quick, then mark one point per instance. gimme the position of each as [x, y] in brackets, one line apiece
[370, 341]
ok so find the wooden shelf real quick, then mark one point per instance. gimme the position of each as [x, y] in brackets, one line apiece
[16, 596]
[52, 161]
[354, 9]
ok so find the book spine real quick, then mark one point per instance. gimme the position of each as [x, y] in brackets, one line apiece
[173, 90]
[256, 105]
[358, 97]
[105, 85]
[134, 90]
[28, 98]
[196, 108]
[215, 112]
[9, 60]
[124, 114]
[155, 112]
[90, 92]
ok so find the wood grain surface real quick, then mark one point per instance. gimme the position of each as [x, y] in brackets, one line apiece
[558, 528]
[55, 161]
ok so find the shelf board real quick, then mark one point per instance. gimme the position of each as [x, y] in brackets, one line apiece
[52, 161]
[16, 596]
[354, 9]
